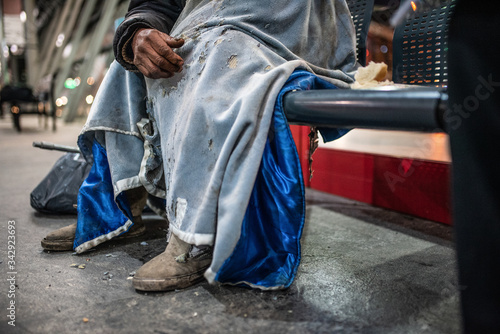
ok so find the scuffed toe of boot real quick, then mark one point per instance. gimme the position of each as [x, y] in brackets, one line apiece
[64, 238]
[61, 239]
[178, 267]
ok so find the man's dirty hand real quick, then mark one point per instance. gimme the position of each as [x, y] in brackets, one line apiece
[153, 54]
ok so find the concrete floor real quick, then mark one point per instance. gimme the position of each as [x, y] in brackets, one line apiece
[364, 269]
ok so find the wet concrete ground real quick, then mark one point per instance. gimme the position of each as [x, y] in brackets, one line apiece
[364, 269]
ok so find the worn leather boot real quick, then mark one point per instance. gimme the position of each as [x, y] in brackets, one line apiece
[63, 238]
[179, 266]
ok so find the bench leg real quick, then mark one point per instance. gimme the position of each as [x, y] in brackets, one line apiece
[54, 118]
[16, 118]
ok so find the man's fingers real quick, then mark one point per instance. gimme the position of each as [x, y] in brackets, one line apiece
[174, 43]
[150, 70]
[169, 56]
[162, 44]
[153, 54]
[164, 63]
[161, 56]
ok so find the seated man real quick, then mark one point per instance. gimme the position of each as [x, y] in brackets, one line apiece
[191, 113]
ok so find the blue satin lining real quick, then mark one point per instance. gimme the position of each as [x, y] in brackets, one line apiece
[268, 251]
[98, 213]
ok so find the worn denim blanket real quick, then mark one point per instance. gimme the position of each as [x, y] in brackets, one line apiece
[200, 140]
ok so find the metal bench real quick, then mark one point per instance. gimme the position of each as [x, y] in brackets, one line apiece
[420, 46]
[361, 11]
[21, 101]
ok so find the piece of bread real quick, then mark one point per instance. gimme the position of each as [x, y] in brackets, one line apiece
[374, 71]
[371, 76]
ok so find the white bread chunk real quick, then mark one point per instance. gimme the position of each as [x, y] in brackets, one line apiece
[374, 71]
[371, 76]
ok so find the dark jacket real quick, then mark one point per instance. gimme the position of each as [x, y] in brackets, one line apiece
[157, 14]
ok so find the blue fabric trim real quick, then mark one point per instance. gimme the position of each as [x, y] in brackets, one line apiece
[98, 213]
[268, 253]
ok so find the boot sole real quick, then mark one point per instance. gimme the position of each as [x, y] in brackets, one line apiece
[58, 246]
[168, 284]
[64, 246]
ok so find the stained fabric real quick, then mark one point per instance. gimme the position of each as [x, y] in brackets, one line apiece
[318, 32]
[197, 139]
[268, 252]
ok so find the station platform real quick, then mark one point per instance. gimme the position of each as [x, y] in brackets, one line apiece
[365, 269]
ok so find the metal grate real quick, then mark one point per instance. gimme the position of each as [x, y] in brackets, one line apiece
[420, 48]
[361, 12]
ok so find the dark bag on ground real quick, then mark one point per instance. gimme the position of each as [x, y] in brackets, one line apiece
[58, 191]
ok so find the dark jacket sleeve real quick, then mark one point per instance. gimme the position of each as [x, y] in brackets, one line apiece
[157, 14]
